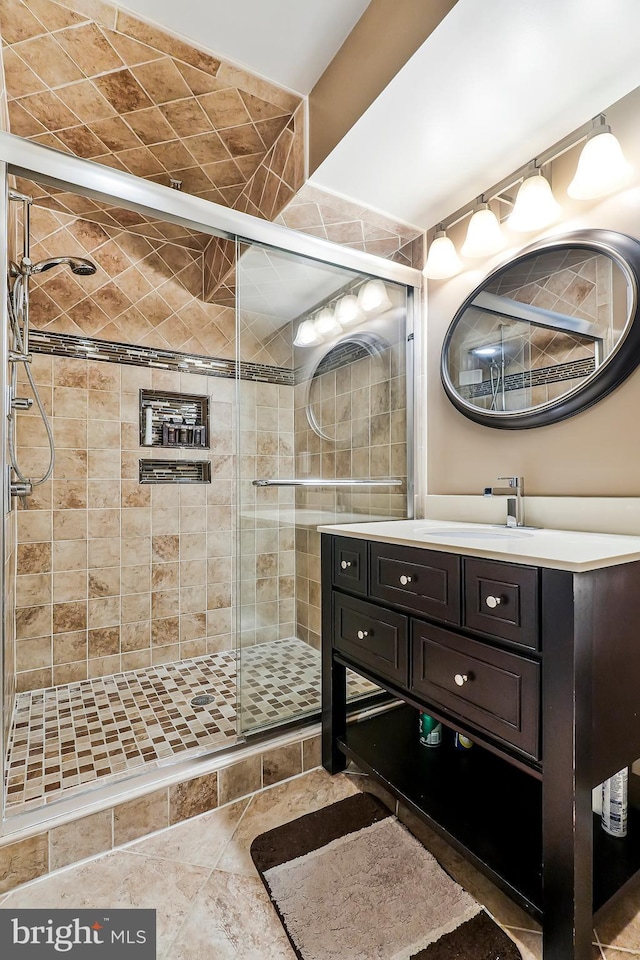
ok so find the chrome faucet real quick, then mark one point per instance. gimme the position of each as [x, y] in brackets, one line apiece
[515, 499]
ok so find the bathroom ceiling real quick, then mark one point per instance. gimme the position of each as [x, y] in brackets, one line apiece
[496, 83]
[287, 41]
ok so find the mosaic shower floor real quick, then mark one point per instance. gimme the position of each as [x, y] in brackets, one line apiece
[68, 738]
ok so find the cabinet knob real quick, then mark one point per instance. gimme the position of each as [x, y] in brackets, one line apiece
[346, 564]
[404, 580]
[461, 679]
[493, 602]
[362, 634]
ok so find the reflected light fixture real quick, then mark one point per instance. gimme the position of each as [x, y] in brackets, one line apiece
[442, 260]
[484, 235]
[535, 206]
[373, 295]
[602, 167]
[348, 310]
[307, 335]
[326, 324]
[490, 350]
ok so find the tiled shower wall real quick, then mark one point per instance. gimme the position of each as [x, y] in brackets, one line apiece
[113, 574]
[89, 602]
[362, 404]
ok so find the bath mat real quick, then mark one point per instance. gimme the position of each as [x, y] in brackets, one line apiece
[349, 882]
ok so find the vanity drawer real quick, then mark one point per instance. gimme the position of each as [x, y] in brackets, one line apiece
[349, 567]
[375, 638]
[495, 690]
[501, 600]
[422, 581]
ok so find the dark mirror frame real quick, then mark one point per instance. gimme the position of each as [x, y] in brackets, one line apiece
[621, 362]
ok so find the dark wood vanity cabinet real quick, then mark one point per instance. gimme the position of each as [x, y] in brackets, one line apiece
[539, 667]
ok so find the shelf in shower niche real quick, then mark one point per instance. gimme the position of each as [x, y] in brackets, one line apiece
[174, 471]
[177, 419]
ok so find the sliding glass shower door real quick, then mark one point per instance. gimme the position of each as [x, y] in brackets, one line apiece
[322, 438]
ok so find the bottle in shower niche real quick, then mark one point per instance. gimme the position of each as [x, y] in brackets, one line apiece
[615, 803]
[430, 731]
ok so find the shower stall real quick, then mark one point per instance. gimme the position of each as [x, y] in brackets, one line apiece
[189, 392]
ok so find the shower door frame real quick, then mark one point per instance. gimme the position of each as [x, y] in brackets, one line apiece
[34, 161]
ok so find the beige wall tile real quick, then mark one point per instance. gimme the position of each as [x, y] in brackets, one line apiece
[239, 779]
[137, 818]
[23, 861]
[193, 797]
[281, 763]
[80, 839]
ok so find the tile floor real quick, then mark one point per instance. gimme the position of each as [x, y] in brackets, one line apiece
[69, 737]
[211, 905]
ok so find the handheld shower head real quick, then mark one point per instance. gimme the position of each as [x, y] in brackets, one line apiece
[78, 265]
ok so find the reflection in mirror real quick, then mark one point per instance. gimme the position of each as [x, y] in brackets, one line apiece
[540, 329]
[329, 412]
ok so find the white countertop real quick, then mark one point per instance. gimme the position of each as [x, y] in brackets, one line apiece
[558, 549]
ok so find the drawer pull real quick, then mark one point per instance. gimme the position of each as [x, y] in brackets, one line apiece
[346, 564]
[461, 679]
[404, 580]
[493, 602]
[362, 634]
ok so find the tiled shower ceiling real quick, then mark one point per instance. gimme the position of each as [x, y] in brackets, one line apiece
[111, 88]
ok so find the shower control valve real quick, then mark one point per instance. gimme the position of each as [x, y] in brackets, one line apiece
[21, 403]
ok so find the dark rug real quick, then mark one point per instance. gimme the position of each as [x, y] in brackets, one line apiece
[349, 882]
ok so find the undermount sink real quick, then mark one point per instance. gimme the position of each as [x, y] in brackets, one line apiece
[481, 533]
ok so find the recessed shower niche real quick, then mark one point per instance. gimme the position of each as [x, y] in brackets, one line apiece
[132, 598]
[173, 419]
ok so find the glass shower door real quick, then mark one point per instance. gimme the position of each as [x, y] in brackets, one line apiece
[322, 438]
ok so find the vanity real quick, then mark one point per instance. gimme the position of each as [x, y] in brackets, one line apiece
[528, 643]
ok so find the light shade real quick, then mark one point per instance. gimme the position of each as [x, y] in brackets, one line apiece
[349, 311]
[484, 235]
[442, 260]
[602, 167]
[307, 335]
[535, 206]
[326, 324]
[373, 296]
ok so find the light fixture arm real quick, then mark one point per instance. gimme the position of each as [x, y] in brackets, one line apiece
[497, 191]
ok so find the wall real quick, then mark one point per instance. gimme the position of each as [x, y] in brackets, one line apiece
[359, 404]
[97, 82]
[382, 41]
[114, 575]
[592, 454]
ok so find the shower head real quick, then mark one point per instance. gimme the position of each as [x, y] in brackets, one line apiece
[78, 265]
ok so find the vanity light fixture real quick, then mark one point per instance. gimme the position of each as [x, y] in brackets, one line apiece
[443, 260]
[307, 335]
[602, 167]
[326, 324]
[535, 206]
[349, 311]
[484, 235]
[373, 295]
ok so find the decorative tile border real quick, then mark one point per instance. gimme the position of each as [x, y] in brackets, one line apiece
[175, 471]
[85, 348]
[534, 378]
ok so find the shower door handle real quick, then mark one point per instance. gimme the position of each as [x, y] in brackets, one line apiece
[319, 482]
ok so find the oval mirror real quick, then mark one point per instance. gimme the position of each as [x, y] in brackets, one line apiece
[547, 334]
